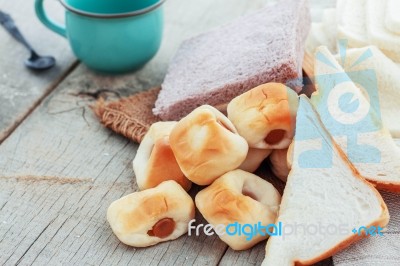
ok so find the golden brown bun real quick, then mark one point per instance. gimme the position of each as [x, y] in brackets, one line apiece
[265, 116]
[155, 162]
[279, 164]
[254, 158]
[206, 145]
[151, 216]
[242, 197]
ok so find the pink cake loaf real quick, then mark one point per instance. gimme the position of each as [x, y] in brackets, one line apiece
[217, 66]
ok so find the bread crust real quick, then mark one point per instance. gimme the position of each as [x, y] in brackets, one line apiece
[241, 197]
[133, 216]
[206, 145]
[388, 176]
[155, 162]
[254, 159]
[387, 186]
[381, 221]
[266, 110]
[162, 166]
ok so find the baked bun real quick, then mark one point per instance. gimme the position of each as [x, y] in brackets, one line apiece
[280, 164]
[241, 197]
[265, 116]
[254, 158]
[151, 216]
[207, 145]
[155, 162]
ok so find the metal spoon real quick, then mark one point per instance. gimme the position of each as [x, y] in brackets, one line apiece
[35, 61]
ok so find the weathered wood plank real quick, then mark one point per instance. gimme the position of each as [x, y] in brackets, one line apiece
[61, 169]
[254, 256]
[20, 88]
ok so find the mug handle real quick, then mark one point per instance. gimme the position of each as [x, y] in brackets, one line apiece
[49, 23]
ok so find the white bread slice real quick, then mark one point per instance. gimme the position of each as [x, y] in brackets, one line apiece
[329, 26]
[351, 22]
[339, 9]
[372, 150]
[388, 77]
[319, 36]
[312, 41]
[378, 35]
[324, 32]
[392, 16]
[322, 196]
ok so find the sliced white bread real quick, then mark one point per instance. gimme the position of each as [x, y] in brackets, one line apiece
[378, 34]
[324, 32]
[351, 22]
[339, 9]
[392, 17]
[329, 25]
[317, 7]
[333, 196]
[359, 133]
[319, 36]
[388, 76]
[312, 41]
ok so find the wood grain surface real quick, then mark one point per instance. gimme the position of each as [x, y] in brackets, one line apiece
[21, 89]
[60, 169]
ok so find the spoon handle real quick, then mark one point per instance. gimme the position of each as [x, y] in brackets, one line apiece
[9, 25]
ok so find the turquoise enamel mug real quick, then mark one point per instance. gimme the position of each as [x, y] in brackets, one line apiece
[108, 35]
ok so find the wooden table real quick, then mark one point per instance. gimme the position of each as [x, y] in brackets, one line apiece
[60, 169]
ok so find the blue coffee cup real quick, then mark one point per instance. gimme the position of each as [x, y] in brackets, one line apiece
[107, 35]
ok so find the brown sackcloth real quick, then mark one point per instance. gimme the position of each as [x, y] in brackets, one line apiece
[131, 116]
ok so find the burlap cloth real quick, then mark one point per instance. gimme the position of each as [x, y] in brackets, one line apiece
[132, 117]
